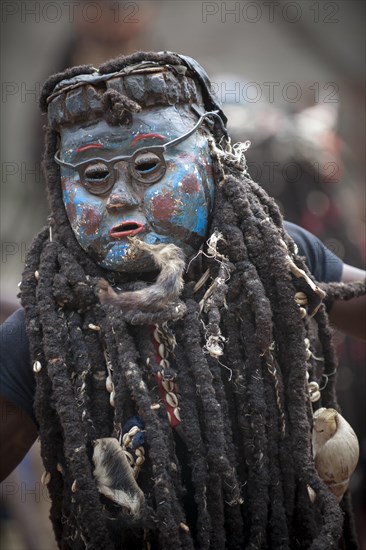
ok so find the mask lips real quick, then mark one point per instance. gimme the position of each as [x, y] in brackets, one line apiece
[126, 229]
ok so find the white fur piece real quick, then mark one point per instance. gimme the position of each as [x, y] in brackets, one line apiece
[114, 476]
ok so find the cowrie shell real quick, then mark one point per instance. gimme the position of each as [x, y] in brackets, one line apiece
[315, 396]
[301, 298]
[168, 385]
[171, 399]
[126, 440]
[133, 431]
[303, 312]
[313, 386]
[311, 493]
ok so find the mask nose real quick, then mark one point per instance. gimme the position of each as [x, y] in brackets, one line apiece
[121, 197]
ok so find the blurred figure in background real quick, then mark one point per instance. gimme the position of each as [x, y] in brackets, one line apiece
[118, 28]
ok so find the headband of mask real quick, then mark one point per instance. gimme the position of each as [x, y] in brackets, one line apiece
[144, 82]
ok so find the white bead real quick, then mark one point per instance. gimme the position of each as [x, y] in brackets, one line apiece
[37, 366]
[93, 327]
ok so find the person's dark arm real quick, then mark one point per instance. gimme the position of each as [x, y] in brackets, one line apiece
[350, 316]
[17, 386]
[17, 434]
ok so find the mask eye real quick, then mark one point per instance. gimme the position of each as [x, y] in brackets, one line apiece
[148, 167]
[97, 178]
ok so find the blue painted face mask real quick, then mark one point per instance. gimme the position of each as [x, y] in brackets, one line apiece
[152, 179]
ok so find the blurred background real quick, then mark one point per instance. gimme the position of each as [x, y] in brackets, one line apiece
[291, 76]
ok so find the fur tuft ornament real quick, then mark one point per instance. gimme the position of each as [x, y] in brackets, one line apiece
[114, 476]
[335, 450]
[167, 288]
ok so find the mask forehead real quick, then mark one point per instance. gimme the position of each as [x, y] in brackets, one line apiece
[154, 127]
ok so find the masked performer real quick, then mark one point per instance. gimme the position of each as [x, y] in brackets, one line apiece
[172, 329]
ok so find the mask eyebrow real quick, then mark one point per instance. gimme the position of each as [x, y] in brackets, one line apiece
[146, 136]
[90, 146]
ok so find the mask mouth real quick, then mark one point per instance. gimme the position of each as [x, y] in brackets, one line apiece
[126, 229]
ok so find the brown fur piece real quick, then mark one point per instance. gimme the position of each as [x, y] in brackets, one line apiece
[169, 284]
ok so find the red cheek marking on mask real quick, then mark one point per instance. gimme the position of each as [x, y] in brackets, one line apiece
[90, 220]
[71, 211]
[190, 185]
[68, 184]
[187, 157]
[208, 167]
[162, 207]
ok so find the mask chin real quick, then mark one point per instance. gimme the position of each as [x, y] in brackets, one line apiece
[128, 262]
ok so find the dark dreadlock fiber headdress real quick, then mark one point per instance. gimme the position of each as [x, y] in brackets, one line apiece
[237, 471]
